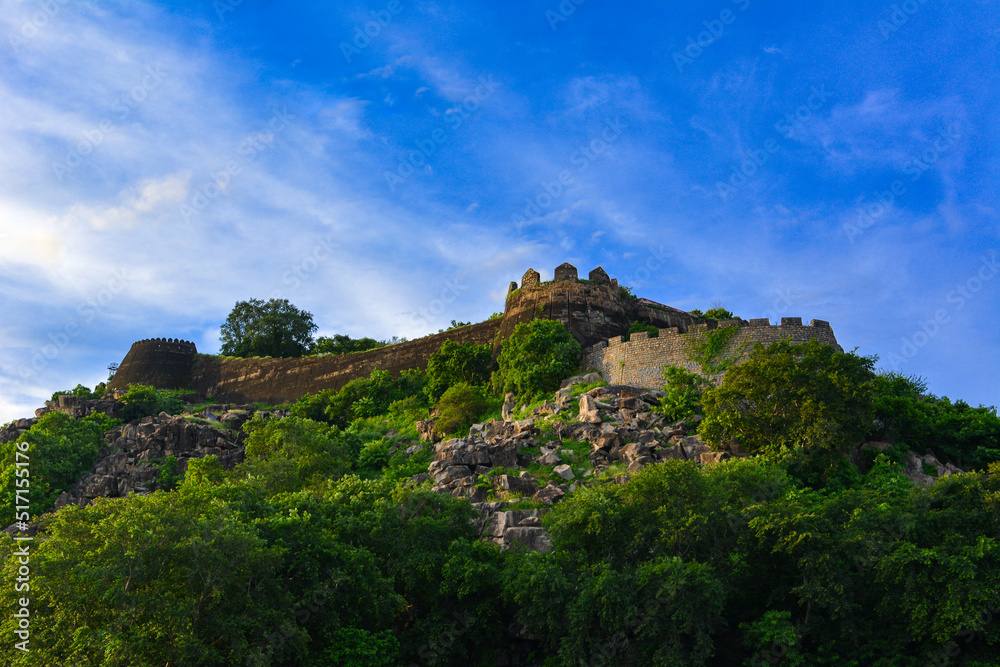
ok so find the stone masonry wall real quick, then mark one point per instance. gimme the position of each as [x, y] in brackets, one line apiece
[164, 363]
[640, 361]
[279, 381]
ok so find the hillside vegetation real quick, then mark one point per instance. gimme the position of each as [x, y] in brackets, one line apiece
[776, 519]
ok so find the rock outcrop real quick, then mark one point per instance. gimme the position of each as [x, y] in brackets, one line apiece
[132, 461]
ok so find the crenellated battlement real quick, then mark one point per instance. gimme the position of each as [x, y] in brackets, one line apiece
[640, 360]
[594, 310]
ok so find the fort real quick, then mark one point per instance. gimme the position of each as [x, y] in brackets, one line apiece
[595, 310]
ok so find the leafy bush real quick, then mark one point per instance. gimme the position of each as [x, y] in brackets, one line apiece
[341, 344]
[637, 327]
[143, 401]
[54, 454]
[168, 477]
[82, 392]
[788, 395]
[294, 453]
[684, 390]
[536, 358]
[909, 417]
[358, 399]
[454, 363]
[459, 407]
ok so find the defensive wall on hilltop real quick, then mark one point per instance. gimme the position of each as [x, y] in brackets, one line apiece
[640, 360]
[164, 363]
[594, 310]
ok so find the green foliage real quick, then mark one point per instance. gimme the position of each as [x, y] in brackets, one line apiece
[53, 454]
[906, 415]
[341, 344]
[144, 401]
[718, 313]
[169, 478]
[274, 328]
[536, 358]
[787, 395]
[455, 325]
[358, 399]
[627, 294]
[206, 471]
[454, 363]
[705, 347]
[294, 453]
[684, 390]
[494, 316]
[459, 407]
[82, 392]
[636, 327]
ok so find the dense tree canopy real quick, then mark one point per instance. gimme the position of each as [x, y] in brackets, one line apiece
[789, 395]
[274, 328]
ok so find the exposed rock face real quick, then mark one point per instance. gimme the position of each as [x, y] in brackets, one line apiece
[591, 312]
[16, 429]
[77, 407]
[131, 461]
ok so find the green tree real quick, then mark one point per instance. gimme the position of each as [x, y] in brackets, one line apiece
[536, 358]
[294, 453]
[341, 344]
[788, 395]
[457, 362]
[53, 455]
[274, 328]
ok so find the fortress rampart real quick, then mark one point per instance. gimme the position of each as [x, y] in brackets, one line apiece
[164, 363]
[640, 360]
[595, 311]
[279, 381]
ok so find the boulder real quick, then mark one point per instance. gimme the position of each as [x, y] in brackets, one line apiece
[533, 537]
[564, 471]
[549, 495]
[588, 410]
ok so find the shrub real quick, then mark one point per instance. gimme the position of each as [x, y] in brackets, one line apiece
[82, 392]
[684, 390]
[536, 358]
[454, 363]
[143, 401]
[293, 453]
[459, 407]
[359, 398]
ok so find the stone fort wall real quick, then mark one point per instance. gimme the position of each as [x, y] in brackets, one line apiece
[640, 360]
[593, 310]
[164, 363]
[280, 381]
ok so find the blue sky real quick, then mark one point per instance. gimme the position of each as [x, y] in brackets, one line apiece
[390, 166]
